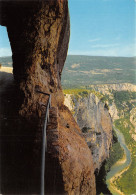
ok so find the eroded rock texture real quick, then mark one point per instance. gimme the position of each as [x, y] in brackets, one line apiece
[95, 121]
[39, 35]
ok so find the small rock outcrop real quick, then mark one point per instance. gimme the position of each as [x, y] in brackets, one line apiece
[95, 121]
[133, 121]
[113, 111]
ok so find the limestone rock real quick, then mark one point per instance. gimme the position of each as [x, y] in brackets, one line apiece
[133, 117]
[133, 121]
[113, 111]
[39, 34]
[117, 87]
[95, 121]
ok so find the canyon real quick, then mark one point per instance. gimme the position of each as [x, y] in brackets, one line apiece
[95, 121]
[79, 132]
[117, 102]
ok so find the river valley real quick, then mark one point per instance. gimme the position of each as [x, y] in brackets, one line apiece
[119, 167]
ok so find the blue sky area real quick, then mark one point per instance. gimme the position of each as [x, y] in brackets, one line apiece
[98, 28]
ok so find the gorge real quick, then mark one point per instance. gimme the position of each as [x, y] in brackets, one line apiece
[91, 109]
[120, 103]
[79, 132]
[119, 167]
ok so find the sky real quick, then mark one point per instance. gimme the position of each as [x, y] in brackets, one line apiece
[98, 28]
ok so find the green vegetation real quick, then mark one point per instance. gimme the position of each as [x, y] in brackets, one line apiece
[122, 100]
[85, 70]
[85, 129]
[106, 98]
[127, 183]
[125, 101]
[116, 153]
[82, 92]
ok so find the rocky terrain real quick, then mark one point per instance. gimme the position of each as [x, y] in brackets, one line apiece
[93, 110]
[106, 88]
[94, 119]
[39, 35]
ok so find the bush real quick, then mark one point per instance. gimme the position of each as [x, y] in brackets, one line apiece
[85, 129]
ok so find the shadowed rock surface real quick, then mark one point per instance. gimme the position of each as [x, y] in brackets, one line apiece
[95, 121]
[39, 34]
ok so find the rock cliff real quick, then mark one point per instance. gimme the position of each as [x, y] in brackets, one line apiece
[133, 121]
[105, 88]
[113, 111]
[39, 34]
[94, 119]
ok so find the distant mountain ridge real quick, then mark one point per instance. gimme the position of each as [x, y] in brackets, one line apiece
[82, 70]
[6, 61]
[86, 70]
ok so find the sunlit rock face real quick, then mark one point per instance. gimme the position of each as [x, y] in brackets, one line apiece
[39, 37]
[133, 121]
[95, 121]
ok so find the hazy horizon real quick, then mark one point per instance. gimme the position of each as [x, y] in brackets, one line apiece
[98, 28]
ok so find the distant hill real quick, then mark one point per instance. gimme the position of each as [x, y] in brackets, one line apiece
[86, 70]
[6, 61]
[89, 70]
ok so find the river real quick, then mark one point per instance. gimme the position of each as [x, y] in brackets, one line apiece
[118, 167]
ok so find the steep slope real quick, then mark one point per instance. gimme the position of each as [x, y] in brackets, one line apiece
[93, 118]
[39, 34]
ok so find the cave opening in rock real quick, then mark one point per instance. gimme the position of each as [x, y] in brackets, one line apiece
[5, 50]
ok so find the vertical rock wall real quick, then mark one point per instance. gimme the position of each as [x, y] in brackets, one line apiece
[94, 119]
[39, 35]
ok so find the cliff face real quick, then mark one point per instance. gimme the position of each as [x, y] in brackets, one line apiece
[117, 87]
[93, 118]
[113, 111]
[133, 121]
[39, 36]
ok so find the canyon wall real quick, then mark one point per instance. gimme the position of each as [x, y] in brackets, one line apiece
[133, 121]
[95, 121]
[105, 88]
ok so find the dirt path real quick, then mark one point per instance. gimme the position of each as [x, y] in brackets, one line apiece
[6, 77]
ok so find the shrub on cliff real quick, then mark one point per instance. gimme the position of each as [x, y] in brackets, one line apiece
[85, 129]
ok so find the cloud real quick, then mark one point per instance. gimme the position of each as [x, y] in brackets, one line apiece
[124, 51]
[105, 45]
[75, 66]
[5, 52]
[94, 40]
